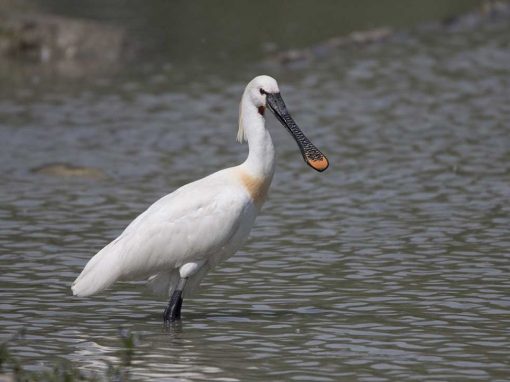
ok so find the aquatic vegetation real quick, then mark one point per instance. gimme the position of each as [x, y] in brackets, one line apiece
[11, 367]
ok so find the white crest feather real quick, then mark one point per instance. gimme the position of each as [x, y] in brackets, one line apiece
[241, 137]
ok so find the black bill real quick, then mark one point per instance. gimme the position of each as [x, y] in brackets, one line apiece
[311, 154]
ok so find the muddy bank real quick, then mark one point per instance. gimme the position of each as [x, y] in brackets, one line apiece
[69, 171]
[488, 11]
[71, 47]
[48, 38]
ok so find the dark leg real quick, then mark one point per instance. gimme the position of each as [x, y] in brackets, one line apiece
[173, 310]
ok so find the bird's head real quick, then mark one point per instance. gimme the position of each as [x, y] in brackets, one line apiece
[263, 92]
[258, 89]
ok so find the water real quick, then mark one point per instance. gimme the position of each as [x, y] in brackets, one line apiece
[392, 265]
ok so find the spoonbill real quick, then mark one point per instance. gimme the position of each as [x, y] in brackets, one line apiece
[183, 235]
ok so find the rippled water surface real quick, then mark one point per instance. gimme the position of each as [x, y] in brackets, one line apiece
[392, 265]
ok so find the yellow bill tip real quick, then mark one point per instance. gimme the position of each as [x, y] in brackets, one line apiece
[318, 164]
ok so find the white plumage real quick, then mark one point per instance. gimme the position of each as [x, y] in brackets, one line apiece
[179, 238]
[205, 220]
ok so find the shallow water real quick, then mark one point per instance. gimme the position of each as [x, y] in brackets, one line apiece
[392, 265]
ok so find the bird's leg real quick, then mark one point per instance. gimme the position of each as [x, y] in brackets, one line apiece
[173, 310]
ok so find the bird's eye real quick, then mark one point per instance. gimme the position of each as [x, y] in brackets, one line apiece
[262, 91]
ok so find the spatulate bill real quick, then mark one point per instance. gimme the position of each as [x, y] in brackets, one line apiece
[311, 154]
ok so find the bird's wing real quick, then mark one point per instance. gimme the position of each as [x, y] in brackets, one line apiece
[191, 224]
[196, 222]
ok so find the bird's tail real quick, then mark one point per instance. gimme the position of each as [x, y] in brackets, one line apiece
[100, 272]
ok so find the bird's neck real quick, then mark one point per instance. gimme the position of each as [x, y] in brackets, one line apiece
[261, 157]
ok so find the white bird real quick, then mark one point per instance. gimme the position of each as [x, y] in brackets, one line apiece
[183, 235]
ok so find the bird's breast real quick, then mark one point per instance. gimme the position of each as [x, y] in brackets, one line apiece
[256, 186]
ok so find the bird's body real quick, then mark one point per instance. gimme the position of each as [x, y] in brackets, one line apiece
[180, 237]
[204, 221]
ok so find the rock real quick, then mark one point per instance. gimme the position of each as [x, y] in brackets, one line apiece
[71, 46]
[67, 170]
[352, 39]
[489, 11]
[45, 38]
[7, 378]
